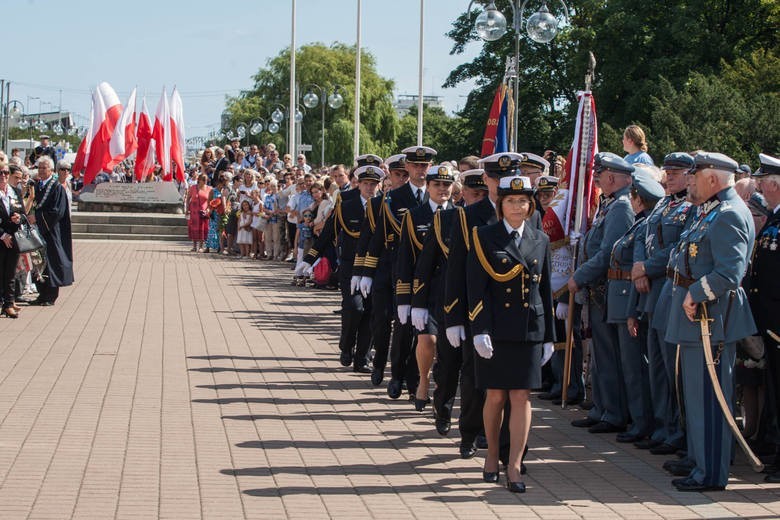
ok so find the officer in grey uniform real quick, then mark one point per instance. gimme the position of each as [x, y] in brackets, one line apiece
[623, 307]
[708, 270]
[615, 216]
[665, 224]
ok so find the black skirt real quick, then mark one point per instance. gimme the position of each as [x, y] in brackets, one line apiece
[514, 366]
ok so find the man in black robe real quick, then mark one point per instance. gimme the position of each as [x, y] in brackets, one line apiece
[53, 220]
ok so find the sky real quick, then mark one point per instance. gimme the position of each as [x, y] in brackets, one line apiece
[208, 49]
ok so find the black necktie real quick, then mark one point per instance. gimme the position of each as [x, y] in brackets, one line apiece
[515, 235]
[438, 208]
[418, 196]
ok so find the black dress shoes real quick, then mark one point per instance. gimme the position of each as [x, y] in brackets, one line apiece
[443, 426]
[689, 484]
[628, 437]
[773, 478]
[663, 449]
[377, 376]
[42, 303]
[549, 396]
[605, 427]
[571, 401]
[420, 404]
[345, 358]
[394, 388]
[515, 487]
[647, 444]
[490, 476]
[587, 422]
[467, 450]
[361, 369]
[678, 468]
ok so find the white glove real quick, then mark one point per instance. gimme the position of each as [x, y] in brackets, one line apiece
[301, 268]
[354, 284]
[419, 318]
[365, 285]
[456, 334]
[483, 345]
[403, 313]
[562, 311]
[547, 352]
[308, 270]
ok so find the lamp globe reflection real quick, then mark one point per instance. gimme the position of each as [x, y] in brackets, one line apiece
[490, 24]
[542, 26]
[273, 127]
[311, 100]
[277, 116]
[335, 100]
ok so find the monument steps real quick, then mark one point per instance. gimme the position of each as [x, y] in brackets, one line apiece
[128, 226]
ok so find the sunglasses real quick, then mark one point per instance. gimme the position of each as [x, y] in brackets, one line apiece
[5, 172]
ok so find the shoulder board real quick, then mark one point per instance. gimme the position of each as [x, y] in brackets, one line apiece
[464, 227]
[370, 216]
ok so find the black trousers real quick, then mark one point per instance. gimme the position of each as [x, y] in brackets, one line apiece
[446, 374]
[402, 355]
[381, 324]
[8, 260]
[355, 323]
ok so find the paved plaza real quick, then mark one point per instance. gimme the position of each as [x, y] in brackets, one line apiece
[166, 384]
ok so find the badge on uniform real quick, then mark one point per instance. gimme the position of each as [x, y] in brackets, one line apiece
[693, 250]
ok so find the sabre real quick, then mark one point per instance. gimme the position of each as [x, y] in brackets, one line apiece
[704, 322]
[773, 335]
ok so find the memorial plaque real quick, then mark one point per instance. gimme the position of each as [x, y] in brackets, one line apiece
[126, 197]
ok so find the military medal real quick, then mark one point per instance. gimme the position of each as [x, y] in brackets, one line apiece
[773, 245]
[693, 250]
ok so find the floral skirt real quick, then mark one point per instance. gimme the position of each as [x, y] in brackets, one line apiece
[212, 239]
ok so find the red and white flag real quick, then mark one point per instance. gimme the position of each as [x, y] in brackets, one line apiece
[106, 110]
[559, 218]
[162, 135]
[177, 134]
[82, 154]
[123, 142]
[144, 157]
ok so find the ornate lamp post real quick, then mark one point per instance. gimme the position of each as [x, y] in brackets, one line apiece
[320, 97]
[542, 27]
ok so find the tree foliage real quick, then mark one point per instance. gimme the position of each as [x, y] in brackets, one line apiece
[664, 65]
[328, 67]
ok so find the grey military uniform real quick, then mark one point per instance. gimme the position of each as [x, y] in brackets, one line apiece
[709, 263]
[614, 218]
[665, 225]
[623, 303]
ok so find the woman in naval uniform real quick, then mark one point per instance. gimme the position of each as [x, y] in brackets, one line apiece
[511, 312]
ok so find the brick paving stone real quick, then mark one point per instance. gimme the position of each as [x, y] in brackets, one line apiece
[167, 384]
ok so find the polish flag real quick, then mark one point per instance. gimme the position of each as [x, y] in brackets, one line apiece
[123, 142]
[105, 113]
[177, 134]
[144, 157]
[162, 135]
[82, 154]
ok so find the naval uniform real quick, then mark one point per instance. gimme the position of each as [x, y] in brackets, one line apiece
[764, 296]
[52, 216]
[381, 252]
[510, 299]
[613, 219]
[428, 293]
[710, 262]
[343, 227]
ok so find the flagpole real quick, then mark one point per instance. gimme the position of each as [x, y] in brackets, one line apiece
[356, 133]
[420, 78]
[578, 213]
[291, 113]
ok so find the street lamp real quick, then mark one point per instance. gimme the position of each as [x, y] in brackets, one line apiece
[542, 27]
[12, 111]
[311, 99]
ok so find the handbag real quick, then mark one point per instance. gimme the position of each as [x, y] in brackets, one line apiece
[28, 238]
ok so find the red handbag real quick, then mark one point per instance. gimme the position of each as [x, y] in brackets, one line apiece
[322, 272]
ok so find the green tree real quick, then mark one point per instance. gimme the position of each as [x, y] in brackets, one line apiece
[326, 66]
[637, 44]
[446, 134]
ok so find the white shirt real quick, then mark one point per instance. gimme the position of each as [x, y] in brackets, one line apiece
[415, 189]
[519, 230]
[435, 206]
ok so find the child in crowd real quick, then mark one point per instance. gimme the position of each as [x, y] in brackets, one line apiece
[272, 234]
[305, 234]
[244, 238]
[258, 225]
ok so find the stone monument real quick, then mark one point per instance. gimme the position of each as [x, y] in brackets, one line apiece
[118, 197]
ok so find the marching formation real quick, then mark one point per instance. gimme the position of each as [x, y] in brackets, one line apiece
[466, 294]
